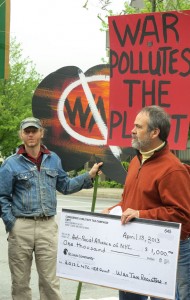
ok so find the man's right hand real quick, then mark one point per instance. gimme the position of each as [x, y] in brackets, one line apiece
[105, 211]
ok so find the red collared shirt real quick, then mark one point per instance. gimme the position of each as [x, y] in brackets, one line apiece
[37, 161]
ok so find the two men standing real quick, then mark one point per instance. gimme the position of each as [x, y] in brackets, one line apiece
[157, 187]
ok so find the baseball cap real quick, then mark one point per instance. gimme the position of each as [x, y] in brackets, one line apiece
[30, 122]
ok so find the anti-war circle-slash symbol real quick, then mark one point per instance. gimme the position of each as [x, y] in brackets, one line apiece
[74, 108]
[101, 125]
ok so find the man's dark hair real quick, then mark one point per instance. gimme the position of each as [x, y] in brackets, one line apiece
[158, 118]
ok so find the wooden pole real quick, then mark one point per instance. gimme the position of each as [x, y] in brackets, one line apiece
[92, 210]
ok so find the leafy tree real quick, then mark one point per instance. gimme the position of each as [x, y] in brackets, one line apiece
[149, 6]
[163, 5]
[16, 97]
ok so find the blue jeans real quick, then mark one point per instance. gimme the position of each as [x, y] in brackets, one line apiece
[183, 277]
[127, 296]
[183, 273]
[130, 296]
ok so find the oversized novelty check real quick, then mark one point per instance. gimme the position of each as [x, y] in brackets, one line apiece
[140, 257]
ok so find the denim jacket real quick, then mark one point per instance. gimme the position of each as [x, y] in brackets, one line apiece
[25, 191]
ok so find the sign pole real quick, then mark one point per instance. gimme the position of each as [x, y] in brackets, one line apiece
[92, 210]
[94, 193]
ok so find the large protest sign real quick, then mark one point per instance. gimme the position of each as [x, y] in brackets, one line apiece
[73, 107]
[140, 257]
[149, 65]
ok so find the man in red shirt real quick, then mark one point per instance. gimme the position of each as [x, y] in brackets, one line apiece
[158, 187]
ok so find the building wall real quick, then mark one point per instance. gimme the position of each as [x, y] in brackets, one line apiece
[137, 4]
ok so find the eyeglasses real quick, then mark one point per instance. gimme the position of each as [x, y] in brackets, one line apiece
[30, 129]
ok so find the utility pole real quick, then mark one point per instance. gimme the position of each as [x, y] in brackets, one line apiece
[153, 5]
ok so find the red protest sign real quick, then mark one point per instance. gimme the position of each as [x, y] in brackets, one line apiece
[149, 65]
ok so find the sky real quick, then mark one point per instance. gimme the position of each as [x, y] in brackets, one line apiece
[59, 33]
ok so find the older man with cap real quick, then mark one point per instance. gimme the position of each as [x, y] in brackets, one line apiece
[28, 183]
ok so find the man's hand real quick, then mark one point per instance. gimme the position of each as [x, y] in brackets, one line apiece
[95, 170]
[128, 215]
[105, 211]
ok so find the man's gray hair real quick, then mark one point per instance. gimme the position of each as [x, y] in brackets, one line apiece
[158, 118]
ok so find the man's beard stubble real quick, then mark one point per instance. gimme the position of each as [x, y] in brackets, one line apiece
[140, 145]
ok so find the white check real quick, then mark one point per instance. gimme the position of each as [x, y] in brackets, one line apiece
[140, 257]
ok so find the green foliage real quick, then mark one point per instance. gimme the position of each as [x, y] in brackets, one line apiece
[149, 6]
[74, 173]
[169, 5]
[16, 98]
[110, 184]
[125, 164]
[101, 183]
